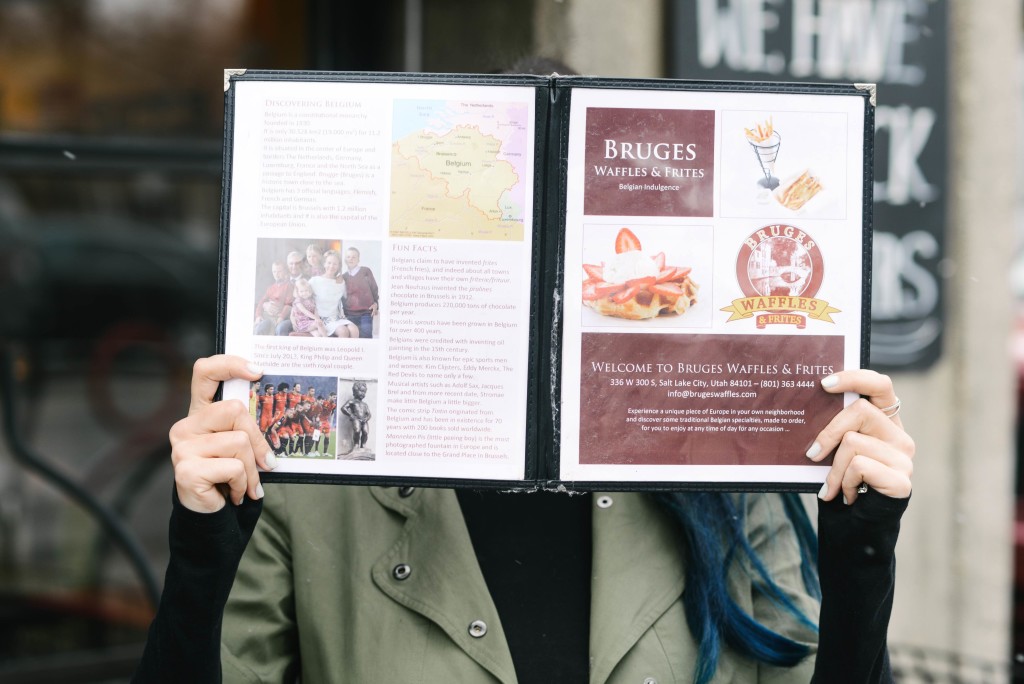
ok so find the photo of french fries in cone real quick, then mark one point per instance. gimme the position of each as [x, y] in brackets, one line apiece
[797, 190]
[766, 142]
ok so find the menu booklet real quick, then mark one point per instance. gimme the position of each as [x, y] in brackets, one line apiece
[560, 282]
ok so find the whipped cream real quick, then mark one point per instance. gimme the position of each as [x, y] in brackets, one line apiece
[627, 266]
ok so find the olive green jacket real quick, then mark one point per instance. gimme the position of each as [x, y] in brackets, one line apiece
[382, 585]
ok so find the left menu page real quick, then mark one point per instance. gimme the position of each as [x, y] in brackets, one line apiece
[379, 251]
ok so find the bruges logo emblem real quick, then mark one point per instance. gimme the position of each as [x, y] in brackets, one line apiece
[779, 268]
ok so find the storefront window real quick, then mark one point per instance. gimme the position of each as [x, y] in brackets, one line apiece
[135, 67]
[111, 118]
[111, 126]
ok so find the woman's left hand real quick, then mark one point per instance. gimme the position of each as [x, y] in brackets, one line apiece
[873, 448]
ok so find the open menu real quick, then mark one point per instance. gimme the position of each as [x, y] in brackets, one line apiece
[523, 281]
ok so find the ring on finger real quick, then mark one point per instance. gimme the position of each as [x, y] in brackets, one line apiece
[891, 411]
[863, 488]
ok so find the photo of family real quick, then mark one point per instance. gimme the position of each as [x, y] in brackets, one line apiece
[319, 288]
[296, 414]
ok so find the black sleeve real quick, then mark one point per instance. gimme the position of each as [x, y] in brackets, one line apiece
[857, 565]
[183, 644]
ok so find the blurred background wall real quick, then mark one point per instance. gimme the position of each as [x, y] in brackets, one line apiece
[110, 157]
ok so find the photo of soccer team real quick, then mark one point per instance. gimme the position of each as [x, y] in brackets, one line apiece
[297, 414]
[302, 416]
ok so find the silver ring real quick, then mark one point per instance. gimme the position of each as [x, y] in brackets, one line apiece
[863, 489]
[891, 411]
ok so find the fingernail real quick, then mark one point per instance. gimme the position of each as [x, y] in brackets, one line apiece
[271, 460]
[845, 501]
[830, 381]
[814, 450]
[254, 369]
[259, 491]
[823, 491]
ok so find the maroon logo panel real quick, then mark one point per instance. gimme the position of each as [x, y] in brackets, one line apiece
[663, 399]
[649, 162]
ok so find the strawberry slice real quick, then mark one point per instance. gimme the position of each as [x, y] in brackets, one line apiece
[666, 275]
[594, 271]
[626, 241]
[594, 290]
[682, 272]
[605, 289]
[659, 260]
[646, 281]
[626, 294]
[670, 290]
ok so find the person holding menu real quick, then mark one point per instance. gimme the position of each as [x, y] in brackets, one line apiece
[383, 584]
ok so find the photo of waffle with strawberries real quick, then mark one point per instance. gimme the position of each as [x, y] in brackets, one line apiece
[637, 286]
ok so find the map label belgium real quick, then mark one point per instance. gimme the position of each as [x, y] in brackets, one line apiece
[457, 170]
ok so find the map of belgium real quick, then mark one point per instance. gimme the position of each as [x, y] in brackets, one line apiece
[457, 170]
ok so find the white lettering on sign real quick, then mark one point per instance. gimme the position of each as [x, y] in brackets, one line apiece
[909, 130]
[858, 40]
[901, 287]
[863, 40]
[736, 34]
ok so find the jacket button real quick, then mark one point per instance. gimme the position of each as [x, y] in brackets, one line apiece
[401, 571]
[477, 628]
[605, 502]
[406, 492]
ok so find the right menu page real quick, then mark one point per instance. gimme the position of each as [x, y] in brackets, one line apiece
[714, 273]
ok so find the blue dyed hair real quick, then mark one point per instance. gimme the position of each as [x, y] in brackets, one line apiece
[712, 528]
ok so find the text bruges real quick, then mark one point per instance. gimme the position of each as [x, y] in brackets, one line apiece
[661, 151]
[639, 151]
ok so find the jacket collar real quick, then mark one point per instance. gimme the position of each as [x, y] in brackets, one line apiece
[445, 583]
[637, 575]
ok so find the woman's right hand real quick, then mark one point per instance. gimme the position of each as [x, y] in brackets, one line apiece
[216, 449]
